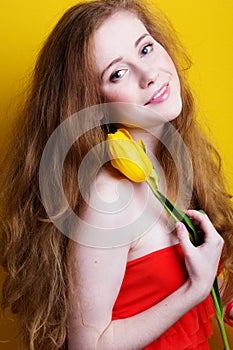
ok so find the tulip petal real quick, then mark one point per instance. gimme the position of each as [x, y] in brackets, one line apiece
[128, 157]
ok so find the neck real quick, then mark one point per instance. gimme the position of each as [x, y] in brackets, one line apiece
[149, 138]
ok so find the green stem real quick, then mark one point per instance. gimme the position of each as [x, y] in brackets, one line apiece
[220, 319]
[161, 199]
[176, 214]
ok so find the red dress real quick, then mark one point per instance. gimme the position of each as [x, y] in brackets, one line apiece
[151, 278]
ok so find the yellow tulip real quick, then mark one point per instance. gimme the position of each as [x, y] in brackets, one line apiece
[128, 156]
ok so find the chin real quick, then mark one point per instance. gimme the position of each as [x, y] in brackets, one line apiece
[168, 114]
[173, 116]
[173, 112]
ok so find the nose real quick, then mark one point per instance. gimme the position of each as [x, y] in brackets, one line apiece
[147, 76]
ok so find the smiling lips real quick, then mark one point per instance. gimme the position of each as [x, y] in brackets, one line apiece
[160, 95]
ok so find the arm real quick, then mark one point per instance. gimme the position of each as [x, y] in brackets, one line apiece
[97, 276]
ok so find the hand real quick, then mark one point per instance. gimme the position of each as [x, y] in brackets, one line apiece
[202, 261]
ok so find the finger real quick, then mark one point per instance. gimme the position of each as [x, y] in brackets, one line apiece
[202, 220]
[183, 237]
[211, 234]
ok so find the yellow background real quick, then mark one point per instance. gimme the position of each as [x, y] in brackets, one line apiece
[206, 29]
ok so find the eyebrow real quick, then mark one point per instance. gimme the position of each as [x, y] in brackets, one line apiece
[118, 59]
[140, 39]
[111, 64]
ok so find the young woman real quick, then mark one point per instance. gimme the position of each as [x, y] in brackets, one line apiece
[152, 292]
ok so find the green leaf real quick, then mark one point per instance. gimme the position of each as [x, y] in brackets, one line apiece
[181, 216]
[216, 289]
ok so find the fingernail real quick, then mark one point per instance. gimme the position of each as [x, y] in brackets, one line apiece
[179, 226]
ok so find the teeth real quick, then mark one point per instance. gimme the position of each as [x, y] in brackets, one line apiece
[160, 92]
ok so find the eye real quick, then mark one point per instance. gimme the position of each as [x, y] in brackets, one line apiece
[117, 75]
[147, 49]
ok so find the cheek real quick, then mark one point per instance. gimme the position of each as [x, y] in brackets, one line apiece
[173, 68]
[170, 67]
[166, 59]
[117, 95]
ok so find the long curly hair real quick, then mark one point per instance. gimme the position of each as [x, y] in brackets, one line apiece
[33, 251]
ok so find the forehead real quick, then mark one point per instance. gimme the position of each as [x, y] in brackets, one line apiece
[116, 36]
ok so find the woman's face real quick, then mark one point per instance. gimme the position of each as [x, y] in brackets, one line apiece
[135, 68]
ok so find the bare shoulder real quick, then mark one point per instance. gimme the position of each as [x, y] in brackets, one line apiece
[113, 197]
[112, 212]
[107, 183]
